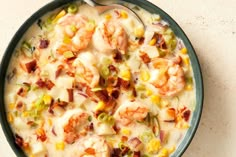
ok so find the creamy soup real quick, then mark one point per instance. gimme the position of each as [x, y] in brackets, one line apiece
[87, 84]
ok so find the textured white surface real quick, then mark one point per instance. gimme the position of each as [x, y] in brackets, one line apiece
[211, 27]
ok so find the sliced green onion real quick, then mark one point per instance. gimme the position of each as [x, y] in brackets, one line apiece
[27, 48]
[102, 117]
[72, 8]
[146, 137]
[105, 71]
[189, 80]
[90, 118]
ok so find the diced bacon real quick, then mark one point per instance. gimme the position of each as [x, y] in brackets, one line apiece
[30, 66]
[144, 56]
[43, 43]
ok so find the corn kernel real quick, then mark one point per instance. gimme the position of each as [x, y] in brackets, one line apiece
[59, 15]
[31, 155]
[184, 50]
[153, 42]
[179, 118]
[126, 75]
[171, 150]
[50, 122]
[139, 32]
[11, 106]
[126, 131]
[185, 125]
[10, 118]
[164, 153]
[156, 17]
[47, 99]
[188, 87]
[67, 40]
[186, 61]
[25, 114]
[148, 92]
[124, 14]
[153, 146]
[164, 103]
[60, 146]
[73, 28]
[145, 76]
[155, 99]
[100, 106]
[108, 16]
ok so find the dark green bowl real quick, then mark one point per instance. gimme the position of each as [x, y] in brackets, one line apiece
[144, 4]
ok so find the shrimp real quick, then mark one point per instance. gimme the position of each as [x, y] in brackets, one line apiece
[85, 69]
[92, 146]
[75, 31]
[109, 36]
[71, 125]
[130, 112]
[167, 76]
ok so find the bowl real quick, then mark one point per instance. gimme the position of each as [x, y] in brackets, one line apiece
[147, 6]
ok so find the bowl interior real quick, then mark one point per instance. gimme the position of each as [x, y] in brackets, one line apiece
[144, 4]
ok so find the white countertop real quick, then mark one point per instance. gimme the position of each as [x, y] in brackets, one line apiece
[211, 27]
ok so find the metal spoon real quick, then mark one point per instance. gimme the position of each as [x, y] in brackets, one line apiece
[104, 7]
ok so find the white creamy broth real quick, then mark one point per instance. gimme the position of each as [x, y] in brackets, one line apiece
[87, 84]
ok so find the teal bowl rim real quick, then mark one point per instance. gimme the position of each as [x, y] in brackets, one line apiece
[141, 3]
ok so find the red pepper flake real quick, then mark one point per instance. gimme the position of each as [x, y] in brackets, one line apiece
[43, 43]
[59, 70]
[186, 115]
[70, 95]
[31, 66]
